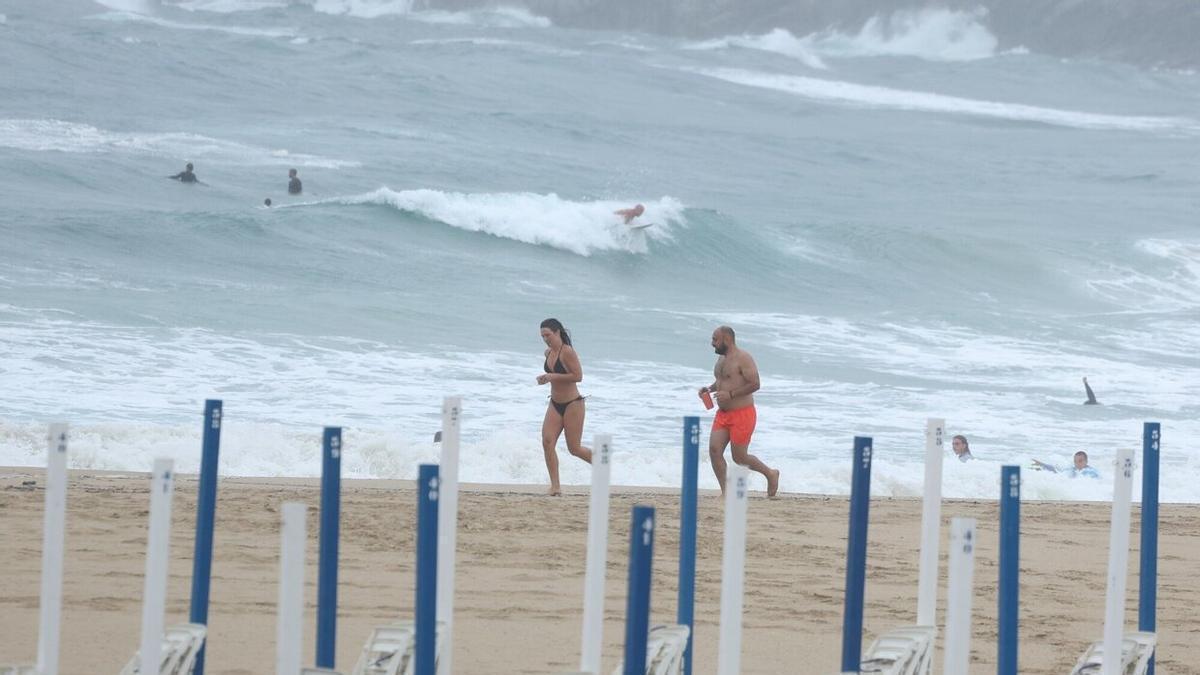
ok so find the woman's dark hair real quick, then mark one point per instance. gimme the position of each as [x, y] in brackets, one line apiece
[556, 326]
[966, 445]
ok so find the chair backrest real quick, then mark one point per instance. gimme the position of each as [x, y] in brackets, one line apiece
[665, 645]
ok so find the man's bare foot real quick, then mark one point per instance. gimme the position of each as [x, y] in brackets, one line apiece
[772, 483]
[557, 492]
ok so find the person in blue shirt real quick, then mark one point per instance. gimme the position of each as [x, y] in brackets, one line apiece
[1080, 467]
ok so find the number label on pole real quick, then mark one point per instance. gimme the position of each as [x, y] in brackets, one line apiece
[216, 418]
[866, 457]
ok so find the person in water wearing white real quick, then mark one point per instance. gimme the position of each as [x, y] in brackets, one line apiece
[566, 410]
[962, 449]
[1080, 467]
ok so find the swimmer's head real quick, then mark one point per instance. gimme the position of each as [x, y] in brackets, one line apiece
[291, 173]
[960, 445]
[722, 339]
[554, 334]
[267, 201]
[1081, 460]
[189, 166]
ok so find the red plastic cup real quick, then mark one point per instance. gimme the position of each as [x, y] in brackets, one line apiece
[707, 398]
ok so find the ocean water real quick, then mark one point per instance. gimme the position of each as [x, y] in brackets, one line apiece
[901, 220]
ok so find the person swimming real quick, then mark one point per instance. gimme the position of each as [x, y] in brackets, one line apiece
[267, 202]
[1080, 467]
[186, 176]
[294, 185]
[961, 448]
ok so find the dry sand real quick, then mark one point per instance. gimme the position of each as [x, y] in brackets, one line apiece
[520, 574]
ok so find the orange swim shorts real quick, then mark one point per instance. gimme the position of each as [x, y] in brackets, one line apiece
[740, 423]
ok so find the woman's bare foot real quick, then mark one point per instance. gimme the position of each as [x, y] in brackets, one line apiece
[773, 483]
[557, 491]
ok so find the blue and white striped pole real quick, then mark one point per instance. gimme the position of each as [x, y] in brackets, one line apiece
[1010, 560]
[327, 572]
[206, 511]
[856, 556]
[687, 533]
[1148, 577]
[427, 561]
[637, 604]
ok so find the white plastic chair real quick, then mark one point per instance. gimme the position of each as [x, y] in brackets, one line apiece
[181, 643]
[902, 651]
[391, 650]
[1136, 651]
[665, 646]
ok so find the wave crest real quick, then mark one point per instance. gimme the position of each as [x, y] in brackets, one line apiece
[579, 227]
[930, 34]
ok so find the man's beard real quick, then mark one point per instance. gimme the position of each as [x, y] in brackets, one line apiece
[721, 349]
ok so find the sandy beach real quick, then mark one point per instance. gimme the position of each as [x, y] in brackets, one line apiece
[520, 574]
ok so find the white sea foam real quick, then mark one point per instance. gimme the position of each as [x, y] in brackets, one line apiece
[622, 44]
[136, 6]
[182, 25]
[839, 92]
[500, 43]
[363, 9]
[930, 34]
[581, 227]
[230, 6]
[1172, 282]
[60, 136]
[136, 393]
[494, 17]
[779, 41]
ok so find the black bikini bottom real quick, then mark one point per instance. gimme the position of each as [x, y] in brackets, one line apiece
[562, 407]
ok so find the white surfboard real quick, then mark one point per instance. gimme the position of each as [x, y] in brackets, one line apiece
[639, 226]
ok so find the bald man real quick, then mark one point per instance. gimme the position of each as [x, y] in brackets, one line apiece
[734, 387]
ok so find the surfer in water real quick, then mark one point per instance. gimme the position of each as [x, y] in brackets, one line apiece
[566, 410]
[186, 176]
[630, 213]
[1091, 396]
[734, 387]
[294, 186]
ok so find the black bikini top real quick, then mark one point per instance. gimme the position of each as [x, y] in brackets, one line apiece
[558, 366]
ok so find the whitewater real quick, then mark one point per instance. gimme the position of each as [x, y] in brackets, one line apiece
[903, 216]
